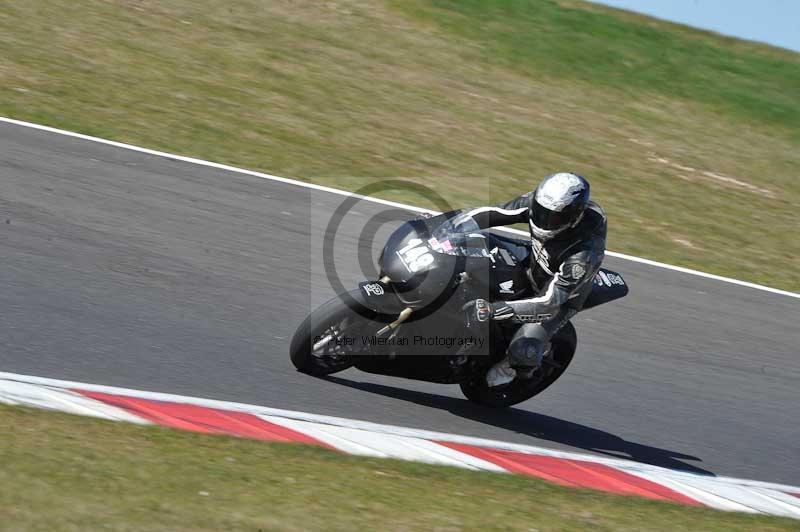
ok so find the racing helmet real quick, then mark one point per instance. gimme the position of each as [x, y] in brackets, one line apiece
[557, 204]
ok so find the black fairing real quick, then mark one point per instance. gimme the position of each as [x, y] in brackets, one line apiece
[389, 261]
[607, 286]
[434, 283]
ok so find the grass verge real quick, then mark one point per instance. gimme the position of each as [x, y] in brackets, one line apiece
[62, 472]
[690, 139]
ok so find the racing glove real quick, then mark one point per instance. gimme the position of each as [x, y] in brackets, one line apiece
[479, 311]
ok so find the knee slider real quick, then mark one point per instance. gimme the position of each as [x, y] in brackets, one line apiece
[525, 352]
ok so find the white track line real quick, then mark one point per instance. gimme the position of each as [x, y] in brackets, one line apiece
[367, 443]
[340, 192]
[60, 398]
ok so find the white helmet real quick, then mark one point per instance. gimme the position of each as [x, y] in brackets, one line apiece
[557, 204]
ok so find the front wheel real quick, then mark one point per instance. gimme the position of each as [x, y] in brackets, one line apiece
[329, 338]
[518, 390]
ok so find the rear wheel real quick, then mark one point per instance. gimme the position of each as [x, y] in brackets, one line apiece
[518, 390]
[330, 337]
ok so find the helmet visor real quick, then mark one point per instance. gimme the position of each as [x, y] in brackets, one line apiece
[550, 220]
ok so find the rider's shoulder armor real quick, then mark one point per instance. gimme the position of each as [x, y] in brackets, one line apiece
[586, 239]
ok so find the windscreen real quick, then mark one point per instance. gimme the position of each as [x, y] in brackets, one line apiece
[459, 236]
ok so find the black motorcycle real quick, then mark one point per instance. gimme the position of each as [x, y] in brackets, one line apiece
[410, 322]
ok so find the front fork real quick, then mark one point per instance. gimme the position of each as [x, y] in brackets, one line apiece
[391, 327]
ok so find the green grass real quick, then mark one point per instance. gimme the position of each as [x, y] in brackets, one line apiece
[628, 54]
[691, 140]
[62, 472]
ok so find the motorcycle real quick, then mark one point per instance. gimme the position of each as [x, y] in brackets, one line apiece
[409, 323]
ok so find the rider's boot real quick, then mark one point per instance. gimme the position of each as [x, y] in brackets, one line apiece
[520, 365]
[501, 373]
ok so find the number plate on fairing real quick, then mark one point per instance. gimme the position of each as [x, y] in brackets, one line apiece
[415, 256]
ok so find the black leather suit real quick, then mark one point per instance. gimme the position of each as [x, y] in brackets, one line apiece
[561, 272]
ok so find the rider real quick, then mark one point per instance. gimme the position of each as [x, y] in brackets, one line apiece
[568, 237]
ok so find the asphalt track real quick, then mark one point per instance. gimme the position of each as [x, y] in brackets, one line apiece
[138, 271]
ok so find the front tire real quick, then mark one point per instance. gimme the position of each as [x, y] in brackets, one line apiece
[333, 318]
[518, 390]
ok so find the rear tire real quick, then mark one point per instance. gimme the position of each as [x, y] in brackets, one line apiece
[518, 390]
[333, 317]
